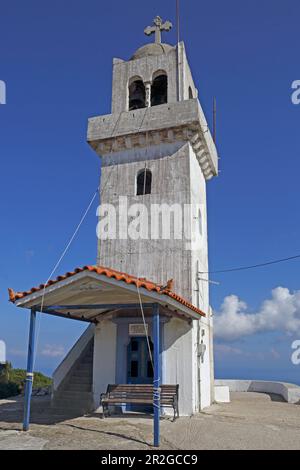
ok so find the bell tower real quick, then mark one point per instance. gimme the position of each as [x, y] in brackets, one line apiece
[157, 152]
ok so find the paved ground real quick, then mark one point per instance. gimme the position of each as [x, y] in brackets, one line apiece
[250, 421]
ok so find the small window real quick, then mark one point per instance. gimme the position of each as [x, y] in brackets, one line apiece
[143, 182]
[137, 95]
[191, 96]
[159, 90]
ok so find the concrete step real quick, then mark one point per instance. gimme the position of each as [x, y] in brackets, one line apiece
[86, 363]
[80, 380]
[63, 408]
[83, 378]
[73, 395]
[79, 387]
[85, 367]
[68, 403]
[89, 356]
[83, 372]
[57, 411]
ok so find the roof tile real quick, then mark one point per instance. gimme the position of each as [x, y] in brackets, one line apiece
[111, 273]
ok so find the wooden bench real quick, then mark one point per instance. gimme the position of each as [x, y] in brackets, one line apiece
[139, 395]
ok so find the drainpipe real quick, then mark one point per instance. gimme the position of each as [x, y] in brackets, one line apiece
[198, 340]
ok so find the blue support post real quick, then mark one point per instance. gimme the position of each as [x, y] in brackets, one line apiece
[29, 374]
[157, 375]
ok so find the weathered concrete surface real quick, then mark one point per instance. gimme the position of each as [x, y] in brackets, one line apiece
[250, 421]
[17, 440]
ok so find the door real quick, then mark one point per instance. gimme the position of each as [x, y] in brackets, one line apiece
[139, 366]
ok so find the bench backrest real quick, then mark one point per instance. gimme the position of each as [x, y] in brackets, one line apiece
[132, 391]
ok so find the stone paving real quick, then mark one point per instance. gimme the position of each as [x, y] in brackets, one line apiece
[250, 421]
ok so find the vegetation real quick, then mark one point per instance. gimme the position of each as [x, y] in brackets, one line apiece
[12, 380]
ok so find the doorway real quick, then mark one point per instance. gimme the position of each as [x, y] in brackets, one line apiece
[139, 367]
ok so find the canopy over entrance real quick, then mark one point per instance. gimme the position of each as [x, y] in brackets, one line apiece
[92, 292]
[87, 293]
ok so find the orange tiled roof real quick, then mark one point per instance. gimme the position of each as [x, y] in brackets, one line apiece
[119, 276]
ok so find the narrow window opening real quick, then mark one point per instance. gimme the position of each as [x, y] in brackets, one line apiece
[200, 222]
[159, 90]
[137, 95]
[191, 96]
[144, 182]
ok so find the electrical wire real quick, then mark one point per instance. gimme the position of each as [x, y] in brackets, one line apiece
[69, 244]
[57, 265]
[253, 266]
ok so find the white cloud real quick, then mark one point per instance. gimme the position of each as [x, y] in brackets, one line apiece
[221, 348]
[17, 352]
[53, 350]
[279, 313]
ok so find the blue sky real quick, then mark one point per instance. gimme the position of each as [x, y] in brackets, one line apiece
[56, 60]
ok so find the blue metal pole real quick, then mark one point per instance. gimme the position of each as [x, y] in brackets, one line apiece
[156, 381]
[29, 374]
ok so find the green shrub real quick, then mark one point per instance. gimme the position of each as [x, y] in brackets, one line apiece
[9, 389]
[12, 381]
[40, 380]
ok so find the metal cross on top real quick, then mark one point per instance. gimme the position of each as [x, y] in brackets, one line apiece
[158, 27]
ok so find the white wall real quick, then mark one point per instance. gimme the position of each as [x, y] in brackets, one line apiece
[104, 369]
[200, 294]
[178, 359]
[205, 370]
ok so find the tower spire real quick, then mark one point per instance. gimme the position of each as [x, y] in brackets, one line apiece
[157, 29]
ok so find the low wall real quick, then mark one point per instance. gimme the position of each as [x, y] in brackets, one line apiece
[289, 392]
[222, 394]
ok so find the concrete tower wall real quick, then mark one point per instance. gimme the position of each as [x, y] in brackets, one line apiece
[173, 141]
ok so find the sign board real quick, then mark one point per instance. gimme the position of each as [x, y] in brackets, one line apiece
[138, 329]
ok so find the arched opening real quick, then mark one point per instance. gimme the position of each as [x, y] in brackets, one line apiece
[191, 96]
[137, 94]
[159, 90]
[143, 182]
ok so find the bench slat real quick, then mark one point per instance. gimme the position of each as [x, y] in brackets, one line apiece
[140, 394]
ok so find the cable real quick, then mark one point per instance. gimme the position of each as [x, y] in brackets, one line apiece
[145, 326]
[138, 289]
[70, 242]
[253, 266]
[64, 253]
[58, 263]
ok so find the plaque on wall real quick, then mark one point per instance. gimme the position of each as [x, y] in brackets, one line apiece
[138, 329]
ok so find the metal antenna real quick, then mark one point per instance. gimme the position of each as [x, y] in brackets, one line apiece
[178, 53]
[178, 21]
